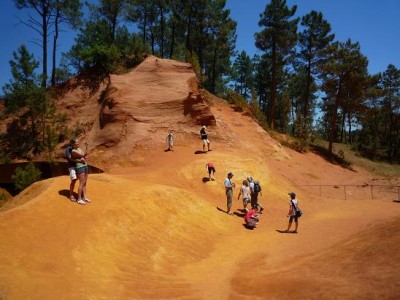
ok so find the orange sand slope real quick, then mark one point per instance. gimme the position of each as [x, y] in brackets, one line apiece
[157, 229]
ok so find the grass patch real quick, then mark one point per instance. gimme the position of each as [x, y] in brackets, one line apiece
[345, 152]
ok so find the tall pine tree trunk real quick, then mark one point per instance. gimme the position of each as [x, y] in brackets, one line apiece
[54, 62]
[44, 45]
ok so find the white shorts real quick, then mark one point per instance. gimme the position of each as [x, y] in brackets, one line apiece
[206, 141]
[72, 173]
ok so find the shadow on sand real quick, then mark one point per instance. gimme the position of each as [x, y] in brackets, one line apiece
[65, 193]
[200, 152]
[206, 179]
[285, 231]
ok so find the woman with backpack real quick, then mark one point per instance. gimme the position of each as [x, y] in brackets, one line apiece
[255, 189]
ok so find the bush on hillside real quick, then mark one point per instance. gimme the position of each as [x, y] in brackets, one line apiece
[24, 177]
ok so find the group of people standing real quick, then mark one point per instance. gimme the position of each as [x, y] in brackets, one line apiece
[78, 170]
[250, 190]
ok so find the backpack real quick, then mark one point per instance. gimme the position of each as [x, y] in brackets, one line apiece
[257, 187]
[69, 150]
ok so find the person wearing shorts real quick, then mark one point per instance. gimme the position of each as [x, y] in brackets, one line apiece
[293, 203]
[229, 192]
[82, 171]
[245, 192]
[204, 138]
[71, 163]
[210, 169]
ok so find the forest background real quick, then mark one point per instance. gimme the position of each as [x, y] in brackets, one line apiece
[303, 80]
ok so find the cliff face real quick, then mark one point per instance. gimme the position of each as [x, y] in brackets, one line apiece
[140, 107]
[135, 110]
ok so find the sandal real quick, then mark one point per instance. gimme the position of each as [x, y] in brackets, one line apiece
[81, 202]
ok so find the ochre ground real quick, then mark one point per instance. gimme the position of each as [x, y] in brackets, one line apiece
[156, 229]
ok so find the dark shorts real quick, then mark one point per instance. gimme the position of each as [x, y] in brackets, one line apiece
[211, 169]
[81, 170]
[254, 200]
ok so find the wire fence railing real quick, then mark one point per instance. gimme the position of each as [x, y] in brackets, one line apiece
[354, 192]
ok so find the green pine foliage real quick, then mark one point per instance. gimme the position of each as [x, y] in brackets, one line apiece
[24, 177]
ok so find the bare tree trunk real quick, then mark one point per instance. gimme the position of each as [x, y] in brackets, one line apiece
[53, 73]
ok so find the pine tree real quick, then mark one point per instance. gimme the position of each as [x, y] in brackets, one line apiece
[345, 78]
[277, 40]
[242, 75]
[313, 41]
[68, 12]
[19, 90]
[45, 10]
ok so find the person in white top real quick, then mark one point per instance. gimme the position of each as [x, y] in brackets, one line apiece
[245, 192]
[293, 205]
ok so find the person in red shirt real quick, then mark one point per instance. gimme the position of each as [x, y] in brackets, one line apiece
[251, 218]
[210, 169]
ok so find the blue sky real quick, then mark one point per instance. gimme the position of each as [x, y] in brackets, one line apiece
[375, 24]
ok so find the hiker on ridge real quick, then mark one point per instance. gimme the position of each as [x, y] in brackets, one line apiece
[204, 138]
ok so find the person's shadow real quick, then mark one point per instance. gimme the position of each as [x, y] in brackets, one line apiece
[200, 152]
[64, 193]
[205, 179]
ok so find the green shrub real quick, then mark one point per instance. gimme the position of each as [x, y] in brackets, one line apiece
[24, 177]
